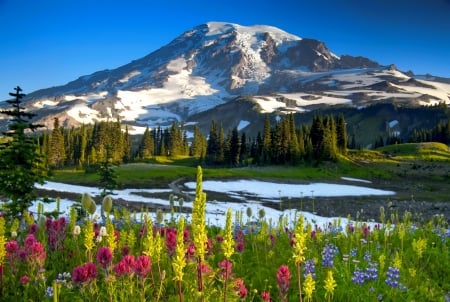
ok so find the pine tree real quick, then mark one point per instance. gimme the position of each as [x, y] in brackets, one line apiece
[21, 166]
[147, 146]
[198, 146]
[316, 135]
[56, 151]
[107, 173]
[235, 147]
[266, 141]
[341, 132]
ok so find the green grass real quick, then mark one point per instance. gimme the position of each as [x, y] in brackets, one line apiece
[423, 151]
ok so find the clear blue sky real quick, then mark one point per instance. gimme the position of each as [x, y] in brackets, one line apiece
[51, 42]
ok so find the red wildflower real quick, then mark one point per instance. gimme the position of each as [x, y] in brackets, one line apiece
[104, 256]
[24, 279]
[226, 268]
[265, 296]
[12, 247]
[283, 276]
[84, 273]
[186, 235]
[143, 265]
[240, 246]
[205, 268]
[126, 266]
[171, 240]
[190, 252]
[240, 288]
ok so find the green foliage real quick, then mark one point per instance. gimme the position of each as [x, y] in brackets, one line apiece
[21, 166]
[59, 252]
[107, 174]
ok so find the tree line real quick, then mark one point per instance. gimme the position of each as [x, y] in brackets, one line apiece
[279, 142]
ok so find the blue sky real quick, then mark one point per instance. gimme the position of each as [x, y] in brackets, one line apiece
[51, 42]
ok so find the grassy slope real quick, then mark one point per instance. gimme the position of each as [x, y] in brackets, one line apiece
[422, 170]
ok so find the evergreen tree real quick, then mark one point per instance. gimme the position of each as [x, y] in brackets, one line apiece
[266, 141]
[147, 146]
[107, 174]
[244, 151]
[126, 146]
[235, 147]
[341, 133]
[213, 144]
[21, 166]
[198, 146]
[56, 150]
[329, 139]
[317, 135]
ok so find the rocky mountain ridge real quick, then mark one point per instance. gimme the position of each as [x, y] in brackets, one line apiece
[213, 64]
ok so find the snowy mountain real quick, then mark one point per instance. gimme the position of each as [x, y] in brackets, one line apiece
[212, 64]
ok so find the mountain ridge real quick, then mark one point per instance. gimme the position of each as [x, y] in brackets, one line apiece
[214, 63]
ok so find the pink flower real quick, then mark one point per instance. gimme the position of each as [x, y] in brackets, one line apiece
[240, 288]
[29, 241]
[240, 246]
[104, 256]
[12, 247]
[84, 273]
[265, 296]
[125, 250]
[190, 251]
[186, 235]
[24, 279]
[283, 276]
[126, 266]
[226, 268]
[143, 265]
[205, 269]
[32, 230]
[171, 241]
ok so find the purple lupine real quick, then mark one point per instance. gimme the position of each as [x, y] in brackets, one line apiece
[359, 277]
[328, 255]
[367, 256]
[372, 271]
[309, 268]
[392, 276]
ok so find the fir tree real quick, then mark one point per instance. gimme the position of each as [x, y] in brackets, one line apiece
[341, 133]
[107, 173]
[56, 150]
[21, 166]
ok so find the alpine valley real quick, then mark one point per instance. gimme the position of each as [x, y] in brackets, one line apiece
[235, 75]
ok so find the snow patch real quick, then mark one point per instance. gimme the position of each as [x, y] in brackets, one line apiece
[242, 125]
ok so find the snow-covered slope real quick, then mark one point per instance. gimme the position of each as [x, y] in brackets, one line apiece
[213, 63]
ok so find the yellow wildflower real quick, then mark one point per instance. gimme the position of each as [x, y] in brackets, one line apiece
[89, 238]
[110, 234]
[299, 242]
[2, 240]
[419, 246]
[330, 285]
[149, 244]
[397, 262]
[198, 218]
[228, 242]
[308, 287]
[179, 260]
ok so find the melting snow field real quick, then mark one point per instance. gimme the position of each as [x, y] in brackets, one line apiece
[251, 192]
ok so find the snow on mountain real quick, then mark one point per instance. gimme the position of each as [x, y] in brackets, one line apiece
[213, 63]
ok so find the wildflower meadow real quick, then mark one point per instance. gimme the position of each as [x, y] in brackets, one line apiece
[123, 256]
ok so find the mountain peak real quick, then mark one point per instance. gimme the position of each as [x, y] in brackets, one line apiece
[210, 65]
